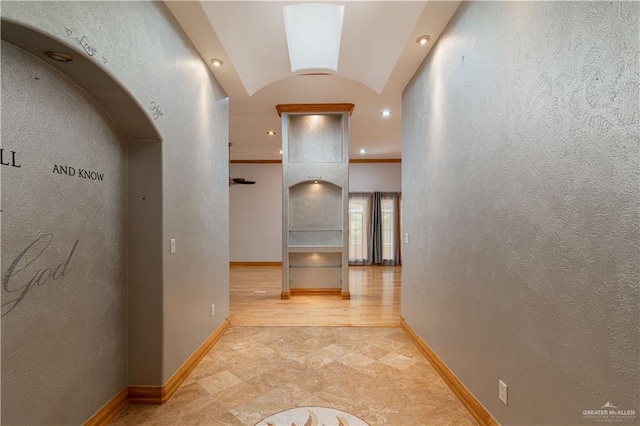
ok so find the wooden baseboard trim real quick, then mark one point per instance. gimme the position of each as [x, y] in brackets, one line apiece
[255, 264]
[161, 394]
[148, 395]
[192, 362]
[346, 295]
[285, 295]
[315, 291]
[479, 413]
[155, 394]
[110, 410]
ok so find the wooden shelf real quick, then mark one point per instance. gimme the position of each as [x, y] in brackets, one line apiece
[314, 108]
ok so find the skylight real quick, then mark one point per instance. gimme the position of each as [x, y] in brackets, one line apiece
[313, 35]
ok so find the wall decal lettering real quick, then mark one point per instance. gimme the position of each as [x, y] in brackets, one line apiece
[8, 158]
[85, 44]
[64, 170]
[23, 261]
[81, 173]
[156, 110]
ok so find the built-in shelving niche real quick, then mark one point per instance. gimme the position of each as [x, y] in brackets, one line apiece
[315, 178]
[315, 214]
[316, 270]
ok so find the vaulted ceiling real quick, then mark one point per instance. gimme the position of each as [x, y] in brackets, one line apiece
[378, 56]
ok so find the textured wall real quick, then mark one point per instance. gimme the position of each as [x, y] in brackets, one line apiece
[255, 223]
[64, 322]
[144, 49]
[369, 177]
[520, 191]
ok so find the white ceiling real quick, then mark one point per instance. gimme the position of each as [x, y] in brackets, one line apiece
[378, 57]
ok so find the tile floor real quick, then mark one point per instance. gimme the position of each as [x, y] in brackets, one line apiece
[374, 373]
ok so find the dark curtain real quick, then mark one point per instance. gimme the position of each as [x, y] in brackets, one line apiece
[383, 241]
[375, 230]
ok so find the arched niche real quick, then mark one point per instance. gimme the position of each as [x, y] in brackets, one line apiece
[143, 192]
[126, 112]
[315, 213]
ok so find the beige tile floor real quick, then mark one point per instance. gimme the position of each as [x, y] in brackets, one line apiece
[375, 373]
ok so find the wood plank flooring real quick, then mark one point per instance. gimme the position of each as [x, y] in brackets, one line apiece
[255, 299]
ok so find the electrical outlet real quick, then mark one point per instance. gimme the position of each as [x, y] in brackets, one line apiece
[502, 391]
[213, 310]
[173, 245]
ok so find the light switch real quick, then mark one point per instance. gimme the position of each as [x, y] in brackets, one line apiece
[173, 245]
[502, 391]
[406, 238]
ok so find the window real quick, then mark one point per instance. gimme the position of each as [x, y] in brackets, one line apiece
[374, 228]
[359, 212]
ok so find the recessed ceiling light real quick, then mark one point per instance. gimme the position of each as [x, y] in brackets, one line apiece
[423, 39]
[60, 57]
[217, 62]
[271, 133]
[385, 113]
[363, 151]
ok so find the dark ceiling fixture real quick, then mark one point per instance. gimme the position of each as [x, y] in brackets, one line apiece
[237, 181]
[240, 181]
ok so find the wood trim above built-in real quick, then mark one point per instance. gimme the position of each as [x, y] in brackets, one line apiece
[314, 108]
[110, 410]
[233, 264]
[479, 413]
[161, 394]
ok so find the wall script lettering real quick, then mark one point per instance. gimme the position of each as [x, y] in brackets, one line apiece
[84, 42]
[157, 112]
[19, 269]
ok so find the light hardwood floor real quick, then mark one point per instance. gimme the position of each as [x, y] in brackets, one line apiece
[375, 299]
